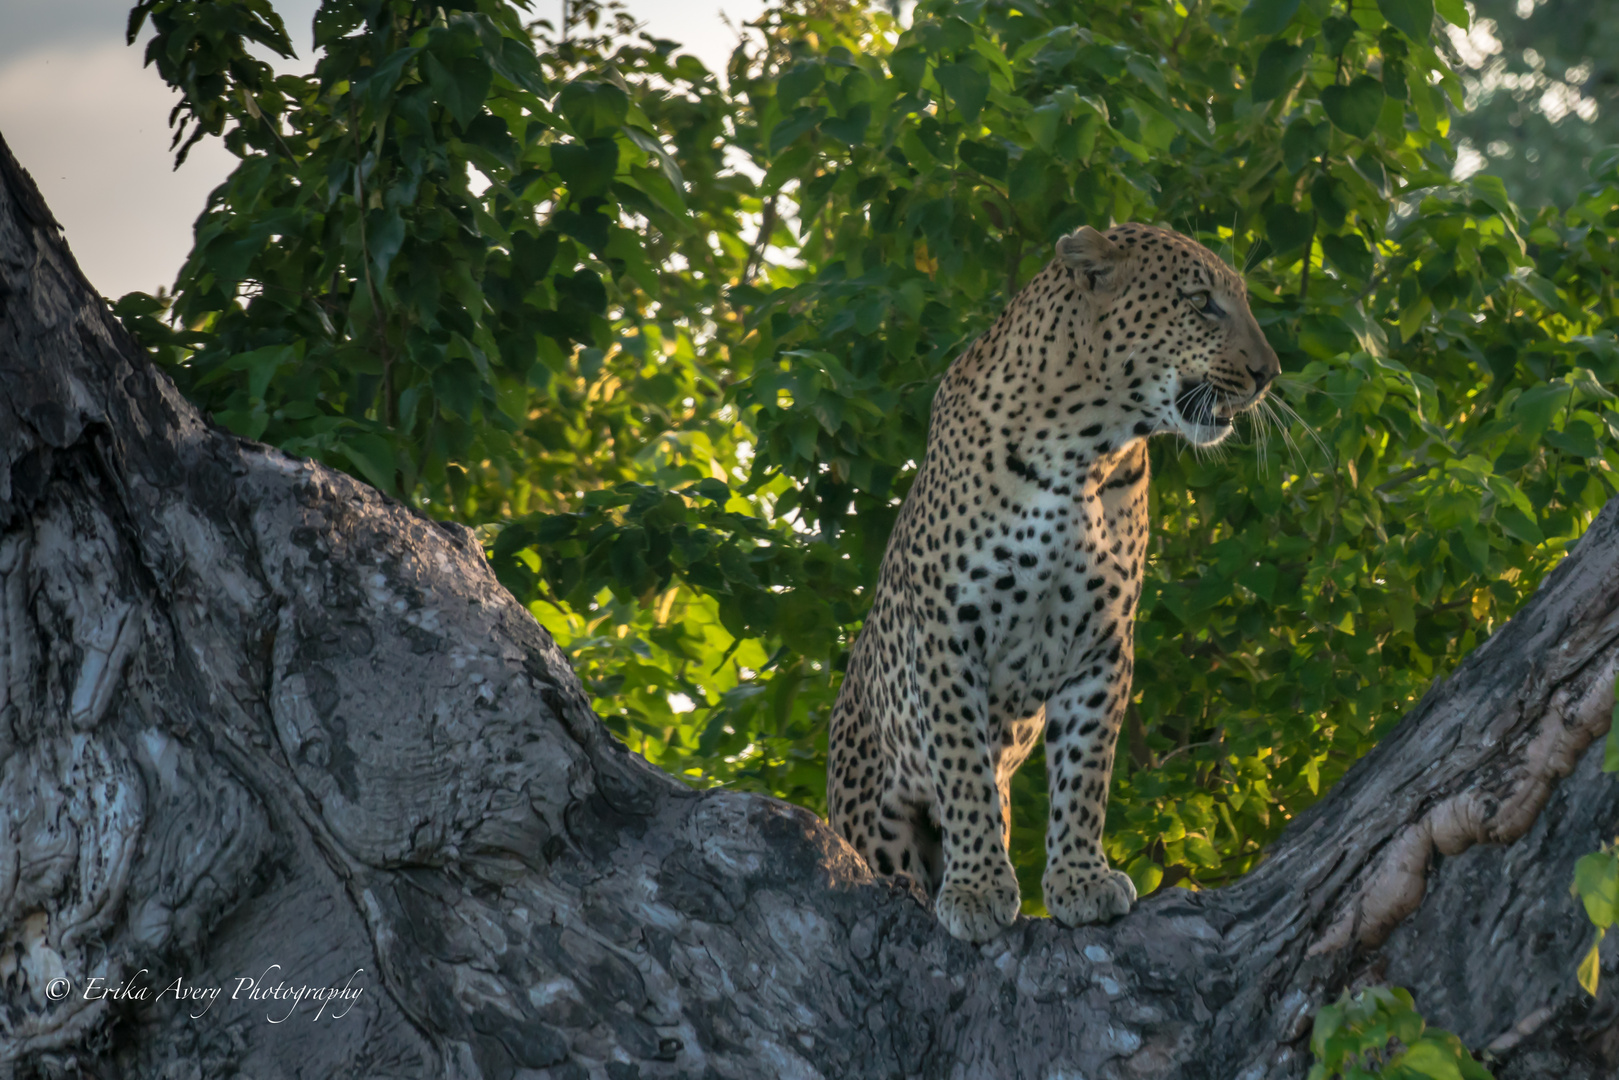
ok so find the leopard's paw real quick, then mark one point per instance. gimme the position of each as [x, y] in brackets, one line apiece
[1076, 896]
[977, 911]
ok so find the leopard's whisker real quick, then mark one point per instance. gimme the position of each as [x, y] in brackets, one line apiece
[1194, 408]
[1257, 422]
[1273, 417]
[1286, 429]
[1206, 396]
[1305, 424]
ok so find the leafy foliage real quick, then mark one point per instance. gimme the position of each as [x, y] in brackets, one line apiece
[1378, 1034]
[669, 341]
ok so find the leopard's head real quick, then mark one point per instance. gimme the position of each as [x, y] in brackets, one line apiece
[1174, 324]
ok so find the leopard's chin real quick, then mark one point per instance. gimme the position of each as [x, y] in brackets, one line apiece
[1204, 419]
[1206, 434]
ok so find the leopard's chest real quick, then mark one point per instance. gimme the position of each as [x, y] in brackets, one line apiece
[1040, 584]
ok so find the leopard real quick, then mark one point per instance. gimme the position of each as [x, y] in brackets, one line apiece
[1004, 607]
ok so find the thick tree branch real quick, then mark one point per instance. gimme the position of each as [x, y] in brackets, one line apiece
[253, 713]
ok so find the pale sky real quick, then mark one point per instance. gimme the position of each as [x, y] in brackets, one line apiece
[90, 123]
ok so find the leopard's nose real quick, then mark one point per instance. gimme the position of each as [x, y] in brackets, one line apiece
[1262, 377]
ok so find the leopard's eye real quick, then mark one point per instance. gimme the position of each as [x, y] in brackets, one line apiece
[1202, 302]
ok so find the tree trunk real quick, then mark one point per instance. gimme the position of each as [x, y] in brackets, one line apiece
[262, 728]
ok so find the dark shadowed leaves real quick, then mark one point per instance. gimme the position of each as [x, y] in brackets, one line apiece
[967, 86]
[1350, 254]
[1278, 67]
[987, 159]
[459, 84]
[586, 169]
[592, 108]
[1262, 18]
[1413, 17]
[1354, 108]
[1287, 228]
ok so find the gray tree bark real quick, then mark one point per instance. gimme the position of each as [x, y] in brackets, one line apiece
[259, 722]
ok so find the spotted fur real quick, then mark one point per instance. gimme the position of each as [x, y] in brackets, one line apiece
[1006, 602]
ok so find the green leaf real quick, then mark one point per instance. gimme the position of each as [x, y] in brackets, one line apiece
[652, 145]
[786, 167]
[1303, 142]
[457, 386]
[1328, 337]
[532, 255]
[460, 86]
[593, 108]
[791, 127]
[1413, 17]
[1519, 525]
[587, 169]
[372, 455]
[384, 234]
[909, 65]
[1577, 440]
[1262, 18]
[1261, 580]
[1330, 197]
[379, 82]
[657, 186]
[1535, 407]
[1432, 1060]
[1287, 228]
[1144, 874]
[799, 80]
[516, 62]
[947, 35]
[1354, 109]
[986, 159]
[805, 623]
[262, 366]
[1350, 254]
[712, 489]
[1494, 192]
[1596, 882]
[627, 557]
[1394, 81]
[1453, 12]
[851, 127]
[590, 228]
[1277, 68]
[1339, 32]
[1199, 851]
[1541, 289]
[967, 86]
[1042, 124]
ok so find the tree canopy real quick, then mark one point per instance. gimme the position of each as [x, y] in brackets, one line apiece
[1542, 95]
[667, 338]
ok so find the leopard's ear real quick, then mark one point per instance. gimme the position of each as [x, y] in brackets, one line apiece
[1093, 255]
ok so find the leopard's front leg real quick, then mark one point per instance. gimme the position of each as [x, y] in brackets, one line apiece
[1082, 727]
[978, 893]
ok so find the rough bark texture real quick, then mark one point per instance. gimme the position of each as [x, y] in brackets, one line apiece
[252, 713]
